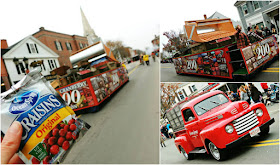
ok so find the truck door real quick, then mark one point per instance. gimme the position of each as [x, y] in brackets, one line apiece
[192, 127]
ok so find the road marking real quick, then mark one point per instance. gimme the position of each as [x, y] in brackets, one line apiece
[133, 70]
[79, 116]
[270, 71]
[275, 140]
[273, 68]
[165, 67]
[261, 145]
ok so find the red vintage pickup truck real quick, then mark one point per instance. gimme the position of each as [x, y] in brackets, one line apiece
[213, 124]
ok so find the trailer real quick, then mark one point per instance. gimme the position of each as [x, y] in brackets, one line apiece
[96, 76]
[213, 51]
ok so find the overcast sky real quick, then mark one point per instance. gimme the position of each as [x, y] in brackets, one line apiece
[176, 12]
[133, 22]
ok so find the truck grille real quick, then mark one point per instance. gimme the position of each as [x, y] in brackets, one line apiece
[245, 122]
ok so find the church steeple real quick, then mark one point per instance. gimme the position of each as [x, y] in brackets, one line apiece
[88, 31]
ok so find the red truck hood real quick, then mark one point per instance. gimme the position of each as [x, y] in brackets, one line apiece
[224, 111]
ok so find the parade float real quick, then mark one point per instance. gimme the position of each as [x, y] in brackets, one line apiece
[213, 51]
[96, 75]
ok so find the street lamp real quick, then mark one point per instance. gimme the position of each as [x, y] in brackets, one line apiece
[25, 60]
[15, 60]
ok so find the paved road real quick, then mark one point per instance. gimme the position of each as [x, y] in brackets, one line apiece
[125, 131]
[168, 74]
[266, 152]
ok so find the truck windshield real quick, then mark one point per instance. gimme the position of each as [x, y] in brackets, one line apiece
[210, 103]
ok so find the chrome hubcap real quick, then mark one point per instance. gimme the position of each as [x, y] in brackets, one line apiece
[214, 151]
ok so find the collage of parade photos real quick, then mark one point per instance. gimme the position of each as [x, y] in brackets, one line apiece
[139, 82]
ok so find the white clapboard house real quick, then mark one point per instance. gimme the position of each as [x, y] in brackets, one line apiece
[20, 55]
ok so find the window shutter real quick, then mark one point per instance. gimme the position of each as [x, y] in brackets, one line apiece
[61, 45]
[43, 64]
[55, 63]
[36, 48]
[50, 65]
[55, 45]
[28, 48]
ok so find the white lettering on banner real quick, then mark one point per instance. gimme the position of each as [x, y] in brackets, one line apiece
[72, 98]
[72, 87]
[191, 65]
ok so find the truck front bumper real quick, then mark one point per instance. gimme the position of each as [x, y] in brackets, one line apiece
[247, 136]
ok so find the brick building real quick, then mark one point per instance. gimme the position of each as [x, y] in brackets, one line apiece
[62, 44]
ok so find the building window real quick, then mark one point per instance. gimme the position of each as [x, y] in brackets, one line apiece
[58, 45]
[81, 45]
[43, 65]
[194, 88]
[32, 48]
[245, 9]
[68, 46]
[256, 5]
[55, 63]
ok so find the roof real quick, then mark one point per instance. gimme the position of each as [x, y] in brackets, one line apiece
[43, 29]
[198, 99]
[220, 28]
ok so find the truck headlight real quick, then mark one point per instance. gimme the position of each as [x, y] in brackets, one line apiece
[259, 112]
[229, 129]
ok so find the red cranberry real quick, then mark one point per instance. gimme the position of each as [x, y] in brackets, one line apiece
[66, 128]
[62, 125]
[52, 140]
[35, 161]
[48, 135]
[47, 159]
[73, 127]
[69, 136]
[60, 141]
[62, 132]
[65, 145]
[54, 149]
[71, 121]
[55, 132]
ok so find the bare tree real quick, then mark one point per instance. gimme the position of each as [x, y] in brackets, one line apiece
[177, 43]
[168, 95]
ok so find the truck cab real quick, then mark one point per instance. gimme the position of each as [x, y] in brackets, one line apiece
[213, 124]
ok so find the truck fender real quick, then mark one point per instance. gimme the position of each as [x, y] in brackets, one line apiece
[183, 142]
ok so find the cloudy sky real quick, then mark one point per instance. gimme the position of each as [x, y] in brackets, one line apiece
[133, 22]
[178, 11]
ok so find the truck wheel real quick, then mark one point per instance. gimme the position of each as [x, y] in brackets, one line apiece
[264, 131]
[217, 153]
[187, 156]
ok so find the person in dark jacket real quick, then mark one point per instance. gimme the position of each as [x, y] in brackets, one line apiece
[255, 93]
[164, 131]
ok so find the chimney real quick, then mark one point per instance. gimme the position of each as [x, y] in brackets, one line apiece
[205, 17]
[4, 44]
[42, 28]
